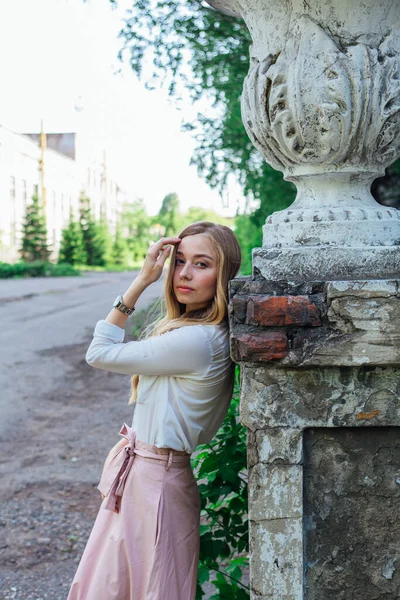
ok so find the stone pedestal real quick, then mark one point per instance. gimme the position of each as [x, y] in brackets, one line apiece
[321, 402]
[321, 102]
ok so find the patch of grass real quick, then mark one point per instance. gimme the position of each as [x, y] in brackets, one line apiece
[144, 317]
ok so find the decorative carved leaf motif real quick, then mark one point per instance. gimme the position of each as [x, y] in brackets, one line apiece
[316, 104]
[386, 148]
[312, 118]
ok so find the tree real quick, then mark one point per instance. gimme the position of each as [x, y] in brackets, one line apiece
[103, 245]
[119, 250]
[197, 213]
[96, 239]
[168, 215]
[136, 225]
[34, 233]
[72, 248]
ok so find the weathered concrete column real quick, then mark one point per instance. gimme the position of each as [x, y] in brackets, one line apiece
[321, 402]
[317, 328]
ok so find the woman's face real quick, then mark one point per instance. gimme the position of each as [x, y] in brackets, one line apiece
[195, 274]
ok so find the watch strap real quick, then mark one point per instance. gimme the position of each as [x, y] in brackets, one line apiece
[119, 305]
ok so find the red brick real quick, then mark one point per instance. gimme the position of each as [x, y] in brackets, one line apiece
[280, 311]
[263, 346]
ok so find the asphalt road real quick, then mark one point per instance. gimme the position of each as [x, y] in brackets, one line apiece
[41, 314]
[58, 419]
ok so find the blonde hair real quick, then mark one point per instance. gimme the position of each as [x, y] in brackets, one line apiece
[228, 254]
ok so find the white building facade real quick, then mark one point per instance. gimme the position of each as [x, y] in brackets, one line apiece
[67, 175]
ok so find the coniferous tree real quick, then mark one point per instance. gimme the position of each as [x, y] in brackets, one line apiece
[103, 244]
[119, 251]
[95, 235]
[72, 249]
[34, 241]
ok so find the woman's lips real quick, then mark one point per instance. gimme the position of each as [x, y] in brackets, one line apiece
[185, 289]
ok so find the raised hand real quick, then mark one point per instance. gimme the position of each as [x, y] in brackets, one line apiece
[155, 259]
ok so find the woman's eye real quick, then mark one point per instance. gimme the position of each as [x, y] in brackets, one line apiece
[178, 261]
[201, 264]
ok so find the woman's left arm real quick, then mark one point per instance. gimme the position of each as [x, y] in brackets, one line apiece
[182, 351]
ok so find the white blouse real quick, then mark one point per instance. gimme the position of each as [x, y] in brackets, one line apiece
[185, 384]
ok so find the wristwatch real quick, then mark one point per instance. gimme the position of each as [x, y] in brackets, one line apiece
[119, 305]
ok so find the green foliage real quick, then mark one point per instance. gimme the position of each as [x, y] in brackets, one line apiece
[72, 248]
[221, 469]
[196, 213]
[34, 234]
[37, 268]
[168, 215]
[136, 225]
[18, 269]
[249, 235]
[119, 250]
[95, 235]
[62, 270]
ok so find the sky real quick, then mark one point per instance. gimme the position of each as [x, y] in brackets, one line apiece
[60, 64]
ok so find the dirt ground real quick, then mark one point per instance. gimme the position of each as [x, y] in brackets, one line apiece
[45, 521]
[59, 417]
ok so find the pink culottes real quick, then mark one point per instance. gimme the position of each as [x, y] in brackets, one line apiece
[145, 542]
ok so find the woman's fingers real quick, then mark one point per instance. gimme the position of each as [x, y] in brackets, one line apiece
[155, 249]
[156, 257]
[163, 256]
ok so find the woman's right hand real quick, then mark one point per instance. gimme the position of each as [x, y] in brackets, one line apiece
[155, 259]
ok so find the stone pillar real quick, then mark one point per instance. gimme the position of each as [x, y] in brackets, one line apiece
[321, 402]
[316, 329]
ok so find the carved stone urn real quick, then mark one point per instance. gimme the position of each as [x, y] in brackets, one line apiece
[321, 102]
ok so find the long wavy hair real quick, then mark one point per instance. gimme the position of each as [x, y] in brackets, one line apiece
[228, 255]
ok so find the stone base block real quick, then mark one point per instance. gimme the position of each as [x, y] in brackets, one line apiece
[276, 562]
[326, 263]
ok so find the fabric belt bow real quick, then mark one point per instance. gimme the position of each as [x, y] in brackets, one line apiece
[113, 479]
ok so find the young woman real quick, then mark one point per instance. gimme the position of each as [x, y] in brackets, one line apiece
[145, 541]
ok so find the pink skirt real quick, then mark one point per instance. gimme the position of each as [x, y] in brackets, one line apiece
[145, 542]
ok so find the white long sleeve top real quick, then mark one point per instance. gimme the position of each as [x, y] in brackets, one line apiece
[185, 384]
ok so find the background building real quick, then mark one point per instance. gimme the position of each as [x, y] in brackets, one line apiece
[68, 172]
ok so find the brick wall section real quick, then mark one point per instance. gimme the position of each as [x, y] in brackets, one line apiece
[264, 346]
[333, 323]
[263, 324]
[280, 311]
